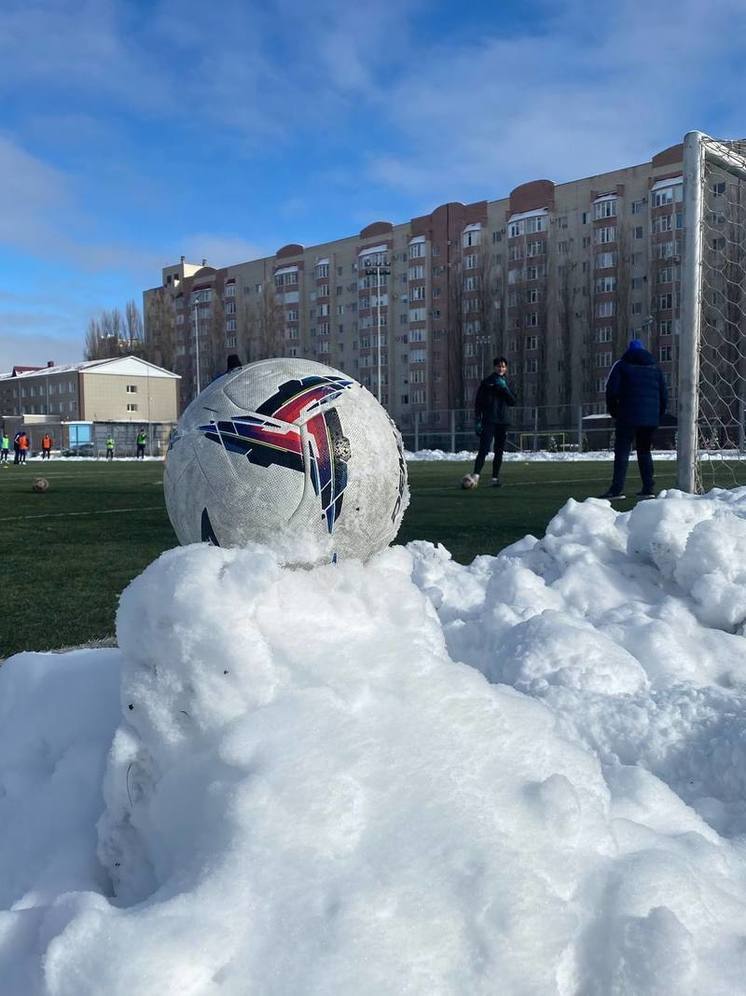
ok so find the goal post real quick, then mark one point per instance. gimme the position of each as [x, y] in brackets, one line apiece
[712, 340]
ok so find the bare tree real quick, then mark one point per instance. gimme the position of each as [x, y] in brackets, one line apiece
[133, 327]
[92, 349]
[455, 352]
[159, 339]
[213, 357]
[262, 325]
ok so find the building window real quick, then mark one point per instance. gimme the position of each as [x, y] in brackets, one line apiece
[531, 365]
[605, 209]
[472, 238]
[605, 285]
[605, 234]
[603, 359]
[605, 309]
[532, 342]
[130, 407]
[664, 223]
[665, 353]
[131, 389]
[638, 207]
[638, 232]
[417, 250]
[604, 260]
[604, 333]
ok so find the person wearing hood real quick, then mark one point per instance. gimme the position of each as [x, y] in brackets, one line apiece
[636, 397]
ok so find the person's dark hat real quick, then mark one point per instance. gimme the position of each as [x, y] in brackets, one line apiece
[233, 362]
[635, 344]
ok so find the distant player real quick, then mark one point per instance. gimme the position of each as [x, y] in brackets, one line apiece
[23, 447]
[109, 447]
[636, 397]
[141, 440]
[495, 397]
[46, 446]
[4, 448]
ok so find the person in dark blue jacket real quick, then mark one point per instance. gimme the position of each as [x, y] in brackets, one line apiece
[494, 398]
[636, 397]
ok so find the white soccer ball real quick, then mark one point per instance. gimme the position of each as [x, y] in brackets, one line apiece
[292, 454]
[469, 481]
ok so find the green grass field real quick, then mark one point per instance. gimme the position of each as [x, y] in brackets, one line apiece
[67, 554]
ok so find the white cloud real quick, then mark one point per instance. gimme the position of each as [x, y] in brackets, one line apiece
[602, 88]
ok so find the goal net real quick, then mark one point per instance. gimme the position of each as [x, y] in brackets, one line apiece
[712, 353]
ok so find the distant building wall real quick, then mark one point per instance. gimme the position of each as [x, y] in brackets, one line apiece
[107, 397]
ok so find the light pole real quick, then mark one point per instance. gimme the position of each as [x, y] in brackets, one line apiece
[196, 341]
[379, 270]
[482, 341]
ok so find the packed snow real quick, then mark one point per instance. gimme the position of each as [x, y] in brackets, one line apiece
[525, 775]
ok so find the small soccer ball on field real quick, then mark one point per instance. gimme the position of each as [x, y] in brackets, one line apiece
[40, 484]
[469, 481]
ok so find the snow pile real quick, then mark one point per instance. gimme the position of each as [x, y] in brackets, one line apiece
[524, 775]
[530, 456]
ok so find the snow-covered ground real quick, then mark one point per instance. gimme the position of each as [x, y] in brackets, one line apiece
[527, 775]
[530, 456]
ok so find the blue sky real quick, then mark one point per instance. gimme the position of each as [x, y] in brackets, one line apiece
[133, 132]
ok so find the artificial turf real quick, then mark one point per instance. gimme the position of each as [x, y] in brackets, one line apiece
[68, 553]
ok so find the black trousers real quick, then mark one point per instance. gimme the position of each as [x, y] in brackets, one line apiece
[490, 432]
[643, 438]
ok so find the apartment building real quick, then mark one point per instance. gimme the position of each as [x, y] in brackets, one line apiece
[556, 276]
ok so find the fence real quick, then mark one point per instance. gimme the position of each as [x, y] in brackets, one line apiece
[558, 428]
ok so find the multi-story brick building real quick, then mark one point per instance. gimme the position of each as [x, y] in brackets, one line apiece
[556, 276]
[82, 403]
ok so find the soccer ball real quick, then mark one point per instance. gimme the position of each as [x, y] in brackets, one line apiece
[40, 484]
[292, 454]
[469, 481]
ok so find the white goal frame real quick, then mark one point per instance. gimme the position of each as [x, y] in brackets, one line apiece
[700, 151]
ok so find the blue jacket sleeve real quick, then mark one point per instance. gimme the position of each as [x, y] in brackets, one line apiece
[663, 393]
[613, 385]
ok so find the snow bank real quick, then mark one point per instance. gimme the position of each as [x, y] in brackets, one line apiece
[524, 775]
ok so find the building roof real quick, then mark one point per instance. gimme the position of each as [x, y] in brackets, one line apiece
[118, 366]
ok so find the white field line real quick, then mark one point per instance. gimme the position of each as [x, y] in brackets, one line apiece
[92, 511]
